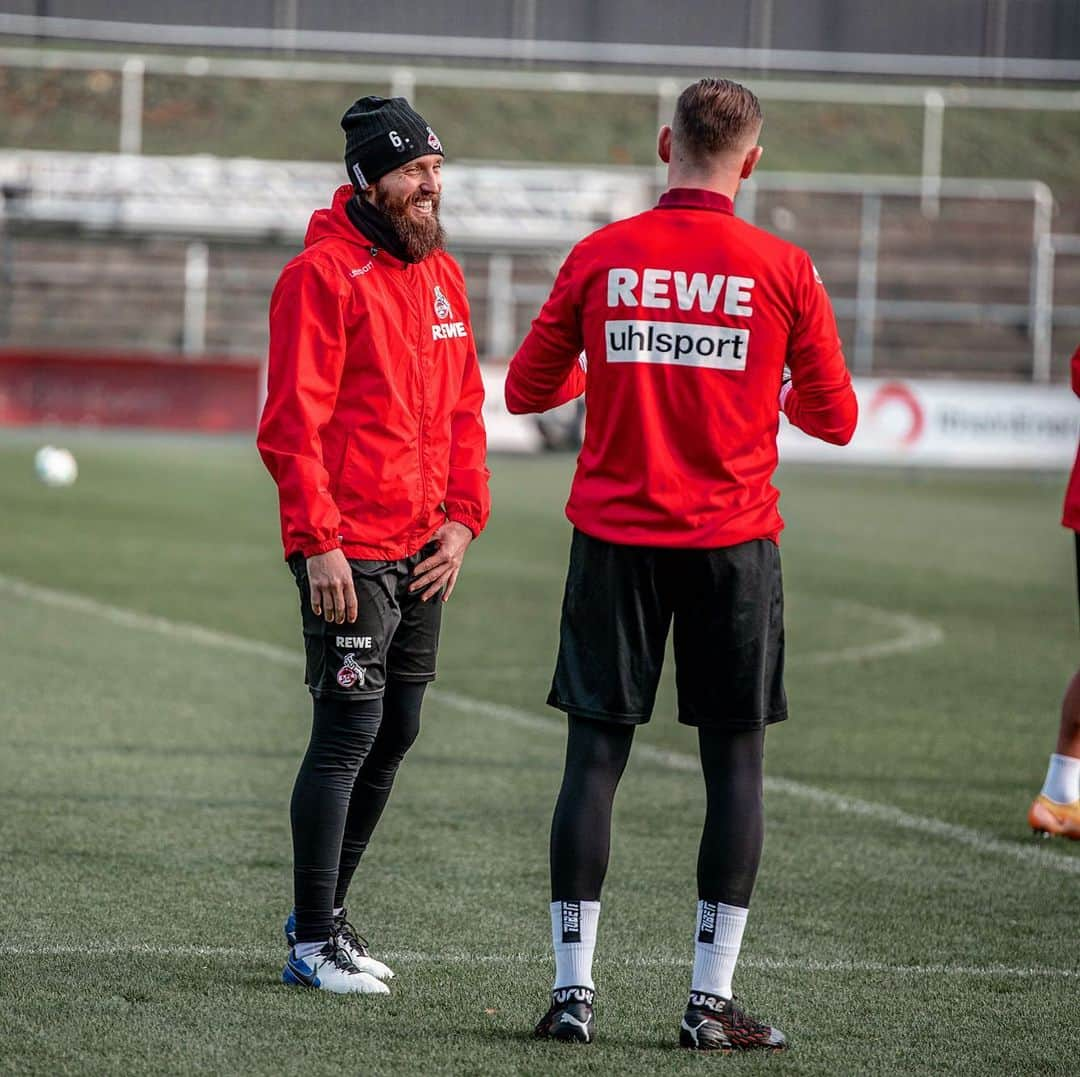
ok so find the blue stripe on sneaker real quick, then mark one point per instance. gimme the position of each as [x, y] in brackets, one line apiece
[299, 972]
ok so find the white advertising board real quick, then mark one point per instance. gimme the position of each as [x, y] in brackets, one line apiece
[951, 424]
[906, 422]
[506, 432]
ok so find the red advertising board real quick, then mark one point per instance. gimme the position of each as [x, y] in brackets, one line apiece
[157, 392]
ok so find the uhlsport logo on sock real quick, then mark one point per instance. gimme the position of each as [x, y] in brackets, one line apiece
[571, 921]
[707, 928]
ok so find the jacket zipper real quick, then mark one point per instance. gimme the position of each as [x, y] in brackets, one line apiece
[415, 271]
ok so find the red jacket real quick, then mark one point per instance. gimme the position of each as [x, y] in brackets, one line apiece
[372, 428]
[1071, 516]
[687, 316]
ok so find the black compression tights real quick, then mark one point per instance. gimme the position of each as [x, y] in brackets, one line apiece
[734, 815]
[340, 792]
[596, 755]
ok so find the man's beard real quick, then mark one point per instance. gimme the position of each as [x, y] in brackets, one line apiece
[419, 238]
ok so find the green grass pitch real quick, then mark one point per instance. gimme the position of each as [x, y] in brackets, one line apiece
[152, 718]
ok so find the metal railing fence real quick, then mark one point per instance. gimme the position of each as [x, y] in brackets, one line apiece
[402, 80]
[867, 306]
[502, 216]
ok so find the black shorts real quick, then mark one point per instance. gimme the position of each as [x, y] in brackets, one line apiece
[728, 609]
[395, 634]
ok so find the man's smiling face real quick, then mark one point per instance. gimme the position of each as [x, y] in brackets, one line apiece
[409, 197]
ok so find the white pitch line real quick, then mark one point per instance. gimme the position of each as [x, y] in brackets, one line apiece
[884, 813]
[916, 634]
[67, 600]
[982, 843]
[913, 634]
[645, 961]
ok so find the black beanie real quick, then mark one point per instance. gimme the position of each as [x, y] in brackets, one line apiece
[381, 134]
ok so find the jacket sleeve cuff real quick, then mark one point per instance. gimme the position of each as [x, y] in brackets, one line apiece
[321, 547]
[471, 522]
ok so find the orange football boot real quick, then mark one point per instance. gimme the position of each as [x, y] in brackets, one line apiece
[1047, 817]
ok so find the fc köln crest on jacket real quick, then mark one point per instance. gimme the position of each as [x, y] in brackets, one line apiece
[443, 309]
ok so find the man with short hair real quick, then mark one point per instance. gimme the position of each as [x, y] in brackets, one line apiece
[687, 317]
[372, 431]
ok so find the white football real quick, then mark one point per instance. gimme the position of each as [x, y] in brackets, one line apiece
[55, 467]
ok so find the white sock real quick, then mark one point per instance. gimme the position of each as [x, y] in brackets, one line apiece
[1062, 783]
[338, 912]
[716, 947]
[304, 950]
[573, 932]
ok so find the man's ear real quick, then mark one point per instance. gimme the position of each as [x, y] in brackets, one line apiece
[663, 144]
[750, 162]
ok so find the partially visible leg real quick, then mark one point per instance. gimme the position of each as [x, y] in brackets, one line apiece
[1068, 742]
[345, 675]
[371, 790]
[611, 649]
[596, 756]
[729, 659]
[342, 734]
[727, 867]
[1056, 810]
[411, 650]
[730, 852]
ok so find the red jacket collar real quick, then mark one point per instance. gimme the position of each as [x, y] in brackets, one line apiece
[695, 198]
[335, 223]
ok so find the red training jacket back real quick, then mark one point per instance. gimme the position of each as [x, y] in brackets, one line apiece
[687, 316]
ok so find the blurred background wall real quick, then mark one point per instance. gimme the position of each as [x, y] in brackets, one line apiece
[1020, 28]
[159, 162]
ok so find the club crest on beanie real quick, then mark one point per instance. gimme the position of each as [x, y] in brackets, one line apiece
[381, 134]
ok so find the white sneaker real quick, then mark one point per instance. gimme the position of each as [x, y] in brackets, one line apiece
[331, 969]
[351, 941]
[356, 946]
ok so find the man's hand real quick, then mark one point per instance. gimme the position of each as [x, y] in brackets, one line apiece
[333, 595]
[785, 387]
[441, 569]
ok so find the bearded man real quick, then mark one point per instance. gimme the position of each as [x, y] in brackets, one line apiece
[372, 431]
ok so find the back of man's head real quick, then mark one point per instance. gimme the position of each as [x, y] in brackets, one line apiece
[714, 118]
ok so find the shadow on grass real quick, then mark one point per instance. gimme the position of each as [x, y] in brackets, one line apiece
[524, 1036]
[143, 798]
[52, 748]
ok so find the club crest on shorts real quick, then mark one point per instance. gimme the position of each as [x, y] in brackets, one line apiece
[351, 673]
[443, 309]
